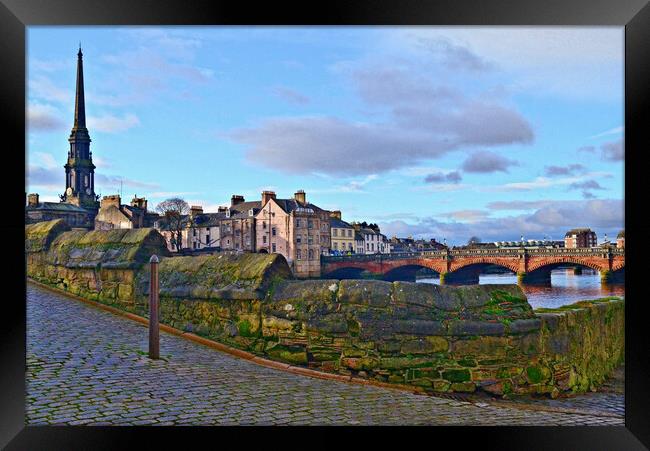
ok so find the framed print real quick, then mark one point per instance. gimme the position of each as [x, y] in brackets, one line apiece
[377, 215]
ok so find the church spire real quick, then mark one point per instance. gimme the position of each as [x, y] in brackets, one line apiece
[79, 102]
[80, 170]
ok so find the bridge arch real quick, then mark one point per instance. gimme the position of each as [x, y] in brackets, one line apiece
[548, 263]
[508, 263]
[407, 272]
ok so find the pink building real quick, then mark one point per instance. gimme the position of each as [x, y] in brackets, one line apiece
[294, 228]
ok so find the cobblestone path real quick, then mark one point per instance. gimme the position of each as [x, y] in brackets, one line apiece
[88, 366]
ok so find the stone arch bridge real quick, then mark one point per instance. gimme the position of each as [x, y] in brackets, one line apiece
[532, 265]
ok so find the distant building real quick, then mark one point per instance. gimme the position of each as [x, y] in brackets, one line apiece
[359, 243]
[580, 237]
[620, 239]
[238, 231]
[405, 245]
[295, 228]
[73, 215]
[374, 241]
[113, 215]
[202, 230]
[530, 243]
[342, 234]
[199, 231]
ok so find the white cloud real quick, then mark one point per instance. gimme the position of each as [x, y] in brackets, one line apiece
[613, 131]
[41, 87]
[113, 124]
[575, 63]
[44, 117]
[545, 182]
[549, 218]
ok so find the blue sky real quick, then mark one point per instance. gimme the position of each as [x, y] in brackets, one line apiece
[443, 132]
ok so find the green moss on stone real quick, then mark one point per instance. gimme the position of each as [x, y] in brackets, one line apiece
[244, 328]
[456, 375]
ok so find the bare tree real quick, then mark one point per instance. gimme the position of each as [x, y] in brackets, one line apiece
[474, 240]
[175, 212]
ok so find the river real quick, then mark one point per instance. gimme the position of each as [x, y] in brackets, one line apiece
[565, 288]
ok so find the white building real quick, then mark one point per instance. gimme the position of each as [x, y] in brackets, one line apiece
[374, 242]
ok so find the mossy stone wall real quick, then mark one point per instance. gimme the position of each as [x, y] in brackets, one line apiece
[439, 338]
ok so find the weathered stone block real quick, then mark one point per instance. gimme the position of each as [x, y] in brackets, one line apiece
[290, 354]
[463, 387]
[419, 327]
[416, 294]
[464, 328]
[495, 347]
[374, 293]
[312, 291]
[360, 363]
[441, 386]
[520, 326]
[426, 345]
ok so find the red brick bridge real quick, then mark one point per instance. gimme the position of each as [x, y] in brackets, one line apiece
[464, 265]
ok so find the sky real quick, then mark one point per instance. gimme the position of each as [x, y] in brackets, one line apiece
[431, 132]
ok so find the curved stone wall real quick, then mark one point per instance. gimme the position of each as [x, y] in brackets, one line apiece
[439, 338]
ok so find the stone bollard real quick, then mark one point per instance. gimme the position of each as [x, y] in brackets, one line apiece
[154, 333]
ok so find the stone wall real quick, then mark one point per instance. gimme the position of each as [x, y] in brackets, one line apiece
[98, 265]
[439, 338]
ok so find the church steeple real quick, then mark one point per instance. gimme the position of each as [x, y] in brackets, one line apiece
[79, 102]
[80, 170]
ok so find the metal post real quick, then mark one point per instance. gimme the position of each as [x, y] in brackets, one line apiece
[154, 336]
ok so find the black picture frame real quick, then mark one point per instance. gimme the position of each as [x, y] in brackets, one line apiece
[16, 15]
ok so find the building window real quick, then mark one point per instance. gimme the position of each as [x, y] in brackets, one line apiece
[264, 239]
[297, 222]
[372, 247]
[193, 232]
[367, 246]
[298, 239]
[207, 239]
[298, 254]
[264, 224]
[310, 224]
[194, 244]
[311, 254]
[273, 247]
[336, 246]
[273, 231]
[349, 233]
[310, 239]
[335, 232]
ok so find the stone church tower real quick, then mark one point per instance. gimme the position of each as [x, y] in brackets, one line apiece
[80, 170]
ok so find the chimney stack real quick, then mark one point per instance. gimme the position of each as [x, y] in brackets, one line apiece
[32, 200]
[139, 202]
[335, 214]
[113, 199]
[266, 196]
[222, 209]
[300, 196]
[196, 210]
[236, 199]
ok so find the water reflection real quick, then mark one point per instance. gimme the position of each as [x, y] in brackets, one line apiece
[566, 287]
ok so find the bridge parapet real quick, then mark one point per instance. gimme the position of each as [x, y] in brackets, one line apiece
[513, 252]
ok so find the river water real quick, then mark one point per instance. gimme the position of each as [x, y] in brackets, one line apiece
[565, 288]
